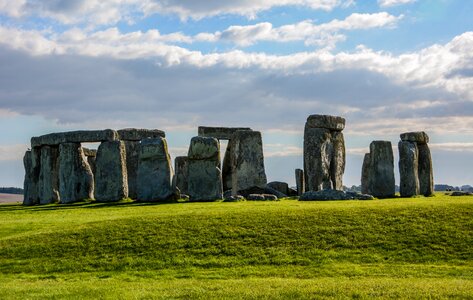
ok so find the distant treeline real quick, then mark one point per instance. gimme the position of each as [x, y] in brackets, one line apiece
[11, 190]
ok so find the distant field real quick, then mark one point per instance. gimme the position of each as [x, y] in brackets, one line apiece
[10, 198]
[394, 248]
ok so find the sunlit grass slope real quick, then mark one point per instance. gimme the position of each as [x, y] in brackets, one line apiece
[419, 247]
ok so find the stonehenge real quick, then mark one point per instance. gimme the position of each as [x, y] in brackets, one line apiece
[324, 153]
[135, 163]
[415, 165]
[378, 171]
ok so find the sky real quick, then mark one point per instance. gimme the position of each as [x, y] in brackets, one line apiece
[387, 66]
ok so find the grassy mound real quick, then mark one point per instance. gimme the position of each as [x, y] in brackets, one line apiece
[420, 247]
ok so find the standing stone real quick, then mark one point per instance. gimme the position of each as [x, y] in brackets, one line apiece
[181, 169]
[154, 172]
[408, 168]
[318, 153]
[247, 161]
[337, 166]
[111, 176]
[132, 149]
[76, 181]
[29, 186]
[204, 175]
[300, 184]
[48, 185]
[90, 154]
[324, 152]
[227, 168]
[381, 174]
[365, 172]
[426, 174]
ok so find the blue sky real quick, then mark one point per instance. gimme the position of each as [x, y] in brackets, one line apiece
[387, 66]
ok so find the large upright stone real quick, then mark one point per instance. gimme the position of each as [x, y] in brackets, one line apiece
[132, 149]
[300, 183]
[48, 185]
[111, 175]
[82, 136]
[426, 173]
[220, 133]
[227, 168]
[90, 154]
[247, 161]
[365, 173]
[204, 174]
[154, 175]
[181, 170]
[318, 153]
[337, 166]
[30, 186]
[408, 168]
[76, 180]
[381, 174]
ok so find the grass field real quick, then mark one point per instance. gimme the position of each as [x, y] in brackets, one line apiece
[393, 248]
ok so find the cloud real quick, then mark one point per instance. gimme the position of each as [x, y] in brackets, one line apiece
[96, 12]
[321, 35]
[12, 152]
[388, 3]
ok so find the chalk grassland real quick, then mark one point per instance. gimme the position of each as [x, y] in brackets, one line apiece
[395, 248]
[10, 198]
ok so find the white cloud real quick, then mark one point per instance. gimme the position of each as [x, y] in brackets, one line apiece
[12, 152]
[454, 147]
[312, 34]
[388, 3]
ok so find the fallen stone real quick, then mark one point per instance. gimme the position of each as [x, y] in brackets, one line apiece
[279, 186]
[426, 173]
[261, 197]
[48, 184]
[381, 174]
[259, 190]
[325, 195]
[408, 168]
[318, 153]
[181, 169]
[459, 193]
[134, 134]
[236, 198]
[204, 174]
[111, 183]
[83, 136]
[292, 192]
[154, 171]
[418, 137]
[220, 133]
[300, 182]
[76, 181]
[325, 121]
[247, 160]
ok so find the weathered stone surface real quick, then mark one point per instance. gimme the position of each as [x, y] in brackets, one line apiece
[89, 152]
[83, 136]
[408, 168]
[292, 192]
[258, 190]
[30, 193]
[204, 174]
[333, 195]
[365, 173]
[132, 153]
[227, 169]
[337, 165]
[111, 183]
[236, 198]
[325, 121]
[318, 153]
[48, 184]
[381, 174]
[76, 181]
[154, 171]
[300, 182]
[92, 164]
[134, 134]
[262, 197]
[220, 133]
[181, 169]
[247, 161]
[418, 137]
[426, 173]
[279, 186]
[460, 193]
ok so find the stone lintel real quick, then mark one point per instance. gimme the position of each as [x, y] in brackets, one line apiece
[220, 133]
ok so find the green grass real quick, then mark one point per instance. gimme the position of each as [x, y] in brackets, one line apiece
[394, 248]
